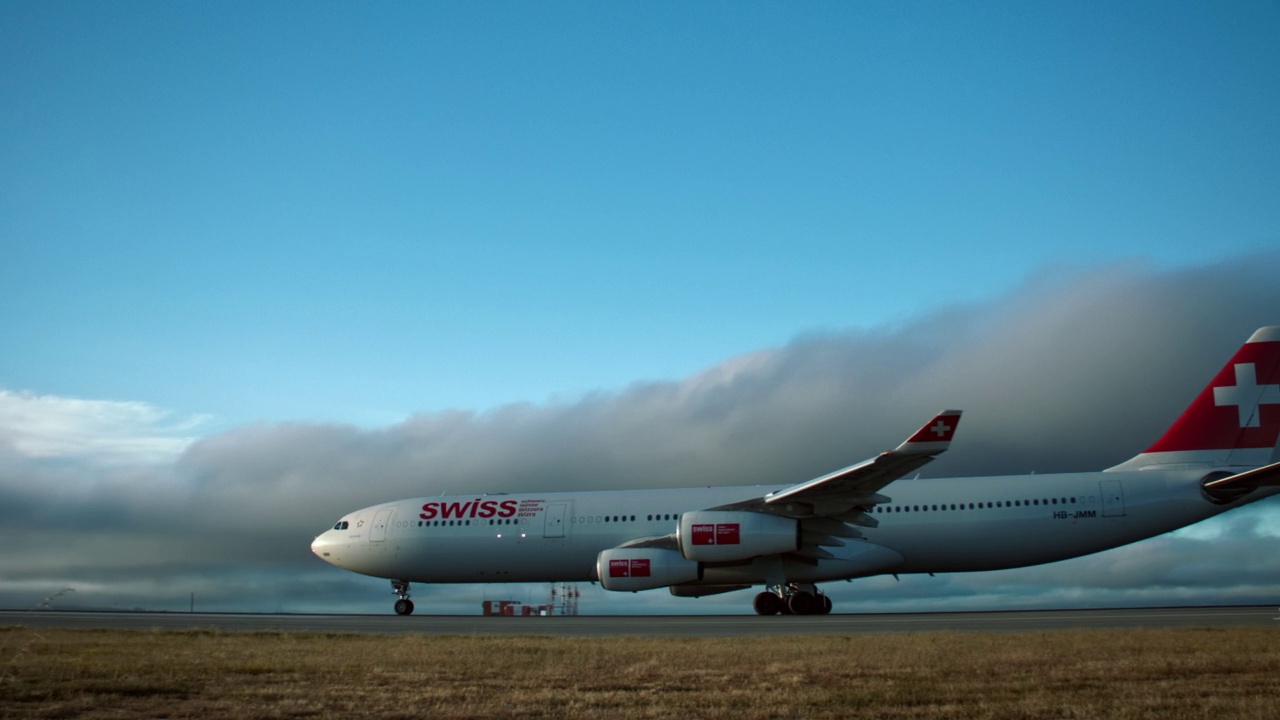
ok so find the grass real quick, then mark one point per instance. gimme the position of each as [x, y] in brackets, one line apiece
[1164, 674]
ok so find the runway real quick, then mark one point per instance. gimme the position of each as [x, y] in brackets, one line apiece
[664, 625]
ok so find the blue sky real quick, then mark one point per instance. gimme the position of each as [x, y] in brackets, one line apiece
[232, 215]
[349, 212]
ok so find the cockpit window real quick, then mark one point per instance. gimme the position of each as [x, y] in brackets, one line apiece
[342, 525]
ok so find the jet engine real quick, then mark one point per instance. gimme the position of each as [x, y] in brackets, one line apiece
[726, 536]
[631, 569]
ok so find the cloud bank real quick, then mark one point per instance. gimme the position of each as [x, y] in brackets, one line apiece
[1074, 370]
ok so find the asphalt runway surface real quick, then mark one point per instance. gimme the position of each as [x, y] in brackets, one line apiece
[662, 625]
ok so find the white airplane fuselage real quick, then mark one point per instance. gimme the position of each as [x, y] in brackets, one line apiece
[996, 523]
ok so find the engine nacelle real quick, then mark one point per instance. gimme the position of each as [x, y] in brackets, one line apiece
[725, 536]
[630, 569]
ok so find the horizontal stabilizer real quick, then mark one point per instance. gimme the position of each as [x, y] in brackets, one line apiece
[1265, 476]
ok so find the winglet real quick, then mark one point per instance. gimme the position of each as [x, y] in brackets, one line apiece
[934, 437]
[863, 480]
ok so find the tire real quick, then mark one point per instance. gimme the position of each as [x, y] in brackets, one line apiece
[802, 603]
[826, 605]
[767, 603]
[404, 607]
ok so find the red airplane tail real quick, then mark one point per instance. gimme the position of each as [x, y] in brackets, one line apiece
[1234, 422]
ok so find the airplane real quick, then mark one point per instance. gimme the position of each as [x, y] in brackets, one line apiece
[860, 521]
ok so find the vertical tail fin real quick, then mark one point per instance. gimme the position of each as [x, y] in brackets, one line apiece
[1234, 421]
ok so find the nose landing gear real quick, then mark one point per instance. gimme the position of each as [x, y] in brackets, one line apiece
[404, 606]
[792, 599]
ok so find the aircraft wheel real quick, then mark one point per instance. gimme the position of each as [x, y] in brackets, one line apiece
[404, 607]
[826, 605]
[802, 603]
[767, 603]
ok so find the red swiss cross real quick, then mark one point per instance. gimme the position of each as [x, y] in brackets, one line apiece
[940, 429]
[1247, 395]
[1239, 409]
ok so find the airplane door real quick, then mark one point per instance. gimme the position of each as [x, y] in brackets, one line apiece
[379, 531]
[1112, 498]
[555, 520]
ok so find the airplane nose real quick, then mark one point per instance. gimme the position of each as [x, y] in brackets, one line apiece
[323, 548]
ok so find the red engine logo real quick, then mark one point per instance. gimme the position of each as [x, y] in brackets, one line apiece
[629, 568]
[704, 534]
[716, 534]
[727, 534]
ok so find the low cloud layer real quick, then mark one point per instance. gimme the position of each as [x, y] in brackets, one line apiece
[1072, 371]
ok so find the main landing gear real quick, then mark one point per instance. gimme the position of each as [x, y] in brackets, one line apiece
[404, 606]
[792, 599]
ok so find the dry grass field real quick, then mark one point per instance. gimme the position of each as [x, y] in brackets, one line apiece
[206, 674]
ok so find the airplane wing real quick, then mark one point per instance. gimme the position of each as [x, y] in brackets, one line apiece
[831, 503]
[858, 485]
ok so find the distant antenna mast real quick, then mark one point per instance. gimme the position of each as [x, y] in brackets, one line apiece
[564, 599]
